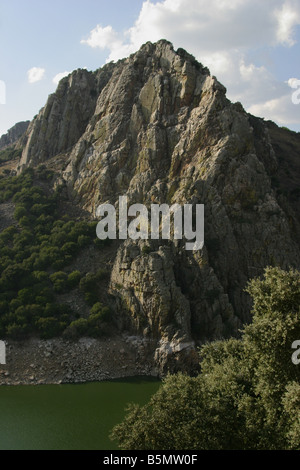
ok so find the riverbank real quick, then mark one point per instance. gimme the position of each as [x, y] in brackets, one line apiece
[58, 361]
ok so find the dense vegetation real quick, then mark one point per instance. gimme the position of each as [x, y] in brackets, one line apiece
[9, 153]
[247, 395]
[35, 258]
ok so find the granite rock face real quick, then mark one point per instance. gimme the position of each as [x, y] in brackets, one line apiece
[158, 128]
[60, 124]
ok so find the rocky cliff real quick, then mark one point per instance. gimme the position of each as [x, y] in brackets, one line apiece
[13, 134]
[158, 128]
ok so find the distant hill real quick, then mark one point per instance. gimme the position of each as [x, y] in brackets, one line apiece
[13, 134]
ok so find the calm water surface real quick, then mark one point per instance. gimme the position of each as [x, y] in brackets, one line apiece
[67, 416]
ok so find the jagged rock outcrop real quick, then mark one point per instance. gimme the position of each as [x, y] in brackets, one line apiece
[61, 123]
[13, 134]
[158, 304]
[158, 128]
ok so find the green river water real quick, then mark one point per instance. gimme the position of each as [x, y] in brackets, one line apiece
[67, 417]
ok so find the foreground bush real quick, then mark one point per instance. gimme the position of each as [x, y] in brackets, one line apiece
[247, 395]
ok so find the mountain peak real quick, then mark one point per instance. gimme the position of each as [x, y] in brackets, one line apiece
[158, 128]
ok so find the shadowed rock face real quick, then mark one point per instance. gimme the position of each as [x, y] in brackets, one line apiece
[158, 128]
[13, 134]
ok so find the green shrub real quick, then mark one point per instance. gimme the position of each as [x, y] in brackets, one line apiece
[59, 281]
[17, 332]
[69, 248]
[20, 211]
[25, 221]
[49, 327]
[79, 327]
[74, 279]
[88, 283]
[83, 240]
[40, 276]
[102, 313]
[25, 296]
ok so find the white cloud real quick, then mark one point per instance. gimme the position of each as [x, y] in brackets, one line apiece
[59, 76]
[249, 72]
[281, 110]
[204, 27]
[35, 74]
[107, 38]
[220, 34]
[102, 38]
[288, 16]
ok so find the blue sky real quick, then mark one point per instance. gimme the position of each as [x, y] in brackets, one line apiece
[252, 46]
